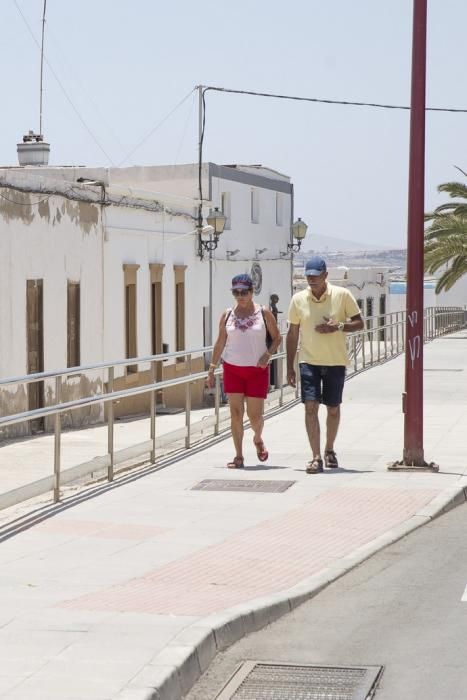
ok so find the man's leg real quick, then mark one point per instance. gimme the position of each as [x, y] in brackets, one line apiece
[312, 427]
[333, 386]
[332, 426]
[236, 404]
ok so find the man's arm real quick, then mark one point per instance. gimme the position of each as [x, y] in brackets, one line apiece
[291, 344]
[331, 326]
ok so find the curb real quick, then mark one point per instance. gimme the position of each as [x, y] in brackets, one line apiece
[175, 670]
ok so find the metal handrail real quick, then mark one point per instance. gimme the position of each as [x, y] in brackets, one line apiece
[361, 344]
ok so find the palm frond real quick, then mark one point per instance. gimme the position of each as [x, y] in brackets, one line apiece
[454, 189]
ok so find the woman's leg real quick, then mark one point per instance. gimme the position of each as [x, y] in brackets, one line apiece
[255, 409]
[237, 408]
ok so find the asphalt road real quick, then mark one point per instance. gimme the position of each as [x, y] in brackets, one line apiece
[402, 609]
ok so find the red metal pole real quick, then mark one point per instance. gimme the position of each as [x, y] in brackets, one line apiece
[413, 399]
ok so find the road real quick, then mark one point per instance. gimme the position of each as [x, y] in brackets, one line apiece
[402, 609]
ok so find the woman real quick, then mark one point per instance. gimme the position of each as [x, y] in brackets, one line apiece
[242, 344]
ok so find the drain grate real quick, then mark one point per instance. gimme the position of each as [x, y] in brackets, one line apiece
[247, 485]
[271, 681]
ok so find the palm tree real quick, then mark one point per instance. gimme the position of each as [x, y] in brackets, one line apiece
[446, 237]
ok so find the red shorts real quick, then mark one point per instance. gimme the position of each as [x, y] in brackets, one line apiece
[250, 381]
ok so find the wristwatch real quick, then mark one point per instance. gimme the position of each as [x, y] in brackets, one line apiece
[340, 326]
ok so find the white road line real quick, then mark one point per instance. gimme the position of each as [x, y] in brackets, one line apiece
[464, 596]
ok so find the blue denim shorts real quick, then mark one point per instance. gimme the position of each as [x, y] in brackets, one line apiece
[323, 384]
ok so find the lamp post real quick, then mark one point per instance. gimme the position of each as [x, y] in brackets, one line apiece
[298, 231]
[413, 455]
[215, 228]
[208, 236]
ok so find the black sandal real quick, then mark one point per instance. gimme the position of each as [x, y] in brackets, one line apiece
[330, 459]
[315, 466]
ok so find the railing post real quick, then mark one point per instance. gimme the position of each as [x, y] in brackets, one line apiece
[391, 327]
[57, 443]
[297, 377]
[280, 373]
[188, 406]
[354, 348]
[363, 351]
[110, 425]
[152, 414]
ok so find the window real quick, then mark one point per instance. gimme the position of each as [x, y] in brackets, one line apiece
[156, 270]
[369, 313]
[131, 348]
[179, 271]
[73, 324]
[225, 208]
[254, 206]
[382, 315]
[279, 209]
[35, 347]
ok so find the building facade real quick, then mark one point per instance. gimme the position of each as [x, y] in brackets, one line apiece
[103, 264]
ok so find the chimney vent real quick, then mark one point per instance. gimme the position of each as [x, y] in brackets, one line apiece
[34, 150]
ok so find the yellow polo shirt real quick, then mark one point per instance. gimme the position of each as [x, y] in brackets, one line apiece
[328, 349]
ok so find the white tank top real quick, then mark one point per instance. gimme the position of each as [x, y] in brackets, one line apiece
[246, 339]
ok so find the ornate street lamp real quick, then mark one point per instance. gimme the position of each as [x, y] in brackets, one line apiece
[208, 237]
[298, 230]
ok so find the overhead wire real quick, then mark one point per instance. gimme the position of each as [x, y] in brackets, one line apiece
[328, 101]
[94, 138]
[182, 139]
[154, 129]
[26, 204]
[69, 66]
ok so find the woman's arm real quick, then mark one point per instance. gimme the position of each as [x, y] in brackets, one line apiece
[219, 345]
[274, 332]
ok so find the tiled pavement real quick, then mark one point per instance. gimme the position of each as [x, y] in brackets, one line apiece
[128, 592]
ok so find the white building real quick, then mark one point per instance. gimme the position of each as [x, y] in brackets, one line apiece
[369, 286]
[107, 269]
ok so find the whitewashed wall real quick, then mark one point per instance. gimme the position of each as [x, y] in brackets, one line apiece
[55, 239]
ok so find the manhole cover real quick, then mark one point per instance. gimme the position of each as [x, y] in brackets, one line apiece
[243, 485]
[268, 681]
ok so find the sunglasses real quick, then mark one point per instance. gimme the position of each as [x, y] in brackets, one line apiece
[241, 292]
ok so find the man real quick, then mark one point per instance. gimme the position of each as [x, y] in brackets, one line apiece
[321, 315]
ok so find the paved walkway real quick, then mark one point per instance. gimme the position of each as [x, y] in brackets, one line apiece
[134, 586]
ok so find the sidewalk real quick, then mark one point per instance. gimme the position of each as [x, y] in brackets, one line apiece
[134, 586]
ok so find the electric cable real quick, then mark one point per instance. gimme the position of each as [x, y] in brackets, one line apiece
[159, 124]
[328, 101]
[25, 204]
[62, 87]
[182, 139]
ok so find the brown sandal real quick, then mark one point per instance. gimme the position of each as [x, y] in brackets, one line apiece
[236, 463]
[330, 459]
[261, 451]
[315, 466]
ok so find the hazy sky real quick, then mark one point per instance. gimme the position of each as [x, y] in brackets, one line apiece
[126, 65]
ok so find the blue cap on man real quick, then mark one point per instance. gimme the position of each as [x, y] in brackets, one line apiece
[315, 266]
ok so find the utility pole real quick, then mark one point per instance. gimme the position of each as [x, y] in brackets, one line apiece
[42, 69]
[413, 455]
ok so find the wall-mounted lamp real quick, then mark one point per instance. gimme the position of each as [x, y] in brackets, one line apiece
[298, 231]
[231, 253]
[96, 183]
[208, 236]
[260, 251]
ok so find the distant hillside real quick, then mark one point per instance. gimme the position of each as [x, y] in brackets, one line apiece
[324, 244]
